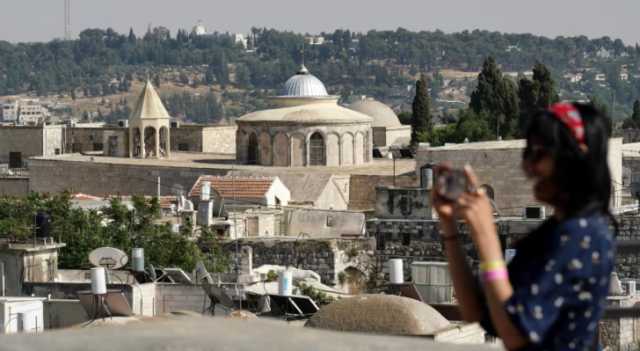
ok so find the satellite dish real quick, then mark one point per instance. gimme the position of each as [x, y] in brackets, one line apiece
[108, 257]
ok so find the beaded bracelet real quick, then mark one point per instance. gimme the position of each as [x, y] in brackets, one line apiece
[490, 265]
[495, 274]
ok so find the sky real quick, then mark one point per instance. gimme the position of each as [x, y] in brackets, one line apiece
[43, 20]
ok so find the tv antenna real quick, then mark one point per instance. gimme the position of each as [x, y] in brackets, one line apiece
[67, 19]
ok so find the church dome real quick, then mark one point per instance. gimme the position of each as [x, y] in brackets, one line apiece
[383, 115]
[304, 84]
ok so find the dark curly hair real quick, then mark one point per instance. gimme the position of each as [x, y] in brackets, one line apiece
[582, 175]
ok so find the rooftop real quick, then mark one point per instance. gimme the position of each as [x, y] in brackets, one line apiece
[483, 145]
[200, 334]
[224, 162]
[322, 111]
[238, 186]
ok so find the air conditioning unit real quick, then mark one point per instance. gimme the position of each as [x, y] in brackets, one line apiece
[123, 123]
[534, 212]
[175, 124]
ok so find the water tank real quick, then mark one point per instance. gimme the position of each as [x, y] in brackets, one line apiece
[137, 259]
[285, 283]
[205, 191]
[396, 272]
[98, 281]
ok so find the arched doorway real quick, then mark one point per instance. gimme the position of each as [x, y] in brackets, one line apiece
[252, 149]
[164, 142]
[137, 143]
[317, 154]
[150, 142]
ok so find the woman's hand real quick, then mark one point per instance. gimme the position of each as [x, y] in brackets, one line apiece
[444, 207]
[476, 209]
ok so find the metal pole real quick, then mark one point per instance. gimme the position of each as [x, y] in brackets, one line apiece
[394, 172]
[158, 190]
[2, 280]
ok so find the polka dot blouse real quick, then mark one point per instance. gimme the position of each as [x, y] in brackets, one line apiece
[560, 276]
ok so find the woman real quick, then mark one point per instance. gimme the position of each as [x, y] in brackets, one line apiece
[553, 292]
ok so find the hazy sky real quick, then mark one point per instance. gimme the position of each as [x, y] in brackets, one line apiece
[38, 20]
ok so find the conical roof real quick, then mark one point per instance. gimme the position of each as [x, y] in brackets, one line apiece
[149, 105]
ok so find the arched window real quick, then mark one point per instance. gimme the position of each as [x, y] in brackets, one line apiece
[317, 150]
[252, 150]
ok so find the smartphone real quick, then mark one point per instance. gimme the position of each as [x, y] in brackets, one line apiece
[450, 184]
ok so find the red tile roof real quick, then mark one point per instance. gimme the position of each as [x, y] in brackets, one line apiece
[235, 186]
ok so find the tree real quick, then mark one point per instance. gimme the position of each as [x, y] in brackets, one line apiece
[132, 37]
[634, 121]
[536, 94]
[636, 111]
[495, 98]
[421, 118]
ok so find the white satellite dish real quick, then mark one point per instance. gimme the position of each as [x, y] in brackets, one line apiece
[108, 257]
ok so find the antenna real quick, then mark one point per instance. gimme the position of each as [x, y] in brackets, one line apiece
[67, 19]
[302, 51]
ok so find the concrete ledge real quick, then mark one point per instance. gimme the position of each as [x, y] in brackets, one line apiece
[205, 334]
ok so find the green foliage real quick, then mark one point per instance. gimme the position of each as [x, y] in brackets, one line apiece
[535, 94]
[472, 126]
[405, 117]
[496, 98]
[84, 231]
[442, 135]
[421, 118]
[320, 297]
[634, 121]
[214, 257]
[207, 109]
[272, 276]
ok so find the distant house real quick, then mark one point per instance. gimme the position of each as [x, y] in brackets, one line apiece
[573, 77]
[600, 77]
[265, 191]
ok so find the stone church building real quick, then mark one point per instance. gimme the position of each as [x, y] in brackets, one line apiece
[307, 128]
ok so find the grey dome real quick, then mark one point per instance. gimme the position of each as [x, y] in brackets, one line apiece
[304, 84]
[383, 115]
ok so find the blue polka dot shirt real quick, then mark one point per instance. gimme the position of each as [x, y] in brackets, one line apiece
[560, 276]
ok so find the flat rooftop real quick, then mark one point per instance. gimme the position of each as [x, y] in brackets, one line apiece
[227, 162]
[483, 145]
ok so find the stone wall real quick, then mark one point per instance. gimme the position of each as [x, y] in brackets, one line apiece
[219, 140]
[101, 179]
[403, 203]
[14, 186]
[362, 189]
[327, 257]
[30, 141]
[497, 168]
[112, 141]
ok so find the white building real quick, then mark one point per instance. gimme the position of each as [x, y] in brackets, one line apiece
[10, 111]
[32, 112]
[241, 39]
[21, 315]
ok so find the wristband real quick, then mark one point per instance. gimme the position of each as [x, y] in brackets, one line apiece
[496, 274]
[491, 265]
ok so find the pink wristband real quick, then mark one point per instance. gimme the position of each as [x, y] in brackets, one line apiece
[495, 274]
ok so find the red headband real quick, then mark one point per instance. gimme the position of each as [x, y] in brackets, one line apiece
[570, 117]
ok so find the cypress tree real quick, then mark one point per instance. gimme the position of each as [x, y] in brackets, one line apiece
[536, 94]
[495, 97]
[636, 112]
[421, 117]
